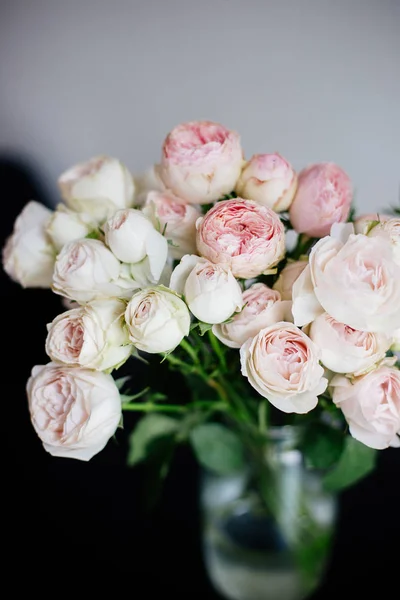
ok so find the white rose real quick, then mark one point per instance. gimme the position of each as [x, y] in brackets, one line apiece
[74, 411]
[133, 239]
[288, 276]
[157, 320]
[347, 350]
[86, 270]
[396, 341]
[28, 255]
[175, 219]
[66, 225]
[262, 307]
[371, 406]
[98, 187]
[210, 291]
[146, 182]
[354, 279]
[282, 364]
[93, 336]
[363, 223]
[269, 180]
[389, 230]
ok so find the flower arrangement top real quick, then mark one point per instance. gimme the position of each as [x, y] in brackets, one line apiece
[188, 266]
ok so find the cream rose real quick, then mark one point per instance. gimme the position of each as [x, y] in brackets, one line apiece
[282, 364]
[74, 411]
[269, 180]
[396, 341]
[323, 197]
[371, 406]
[28, 255]
[210, 291]
[93, 336]
[157, 320]
[86, 270]
[287, 277]
[201, 161]
[347, 350]
[98, 187]
[242, 235]
[356, 281]
[146, 182]
[363, 223]
[133, 239]
[262, 307]
[66, 225]
[389, 230]
[175, 219]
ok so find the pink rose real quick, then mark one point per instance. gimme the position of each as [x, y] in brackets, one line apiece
[363, 223]
[201, 161]
[175, 219]
[371, 406]
[282, 364]
[288, 276]
[262, 307]
[347, 350]
[323, 197]
[74, 411]
[355, 280]
[269, 180]
[247, 237]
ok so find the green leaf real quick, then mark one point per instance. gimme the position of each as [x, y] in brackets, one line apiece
[121, 381]
[217, 448]
[356, 461]
[322, 446]
[148, 430]
[204, 327]
[93, 235]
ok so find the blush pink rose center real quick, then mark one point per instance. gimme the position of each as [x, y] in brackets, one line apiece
[195, 140]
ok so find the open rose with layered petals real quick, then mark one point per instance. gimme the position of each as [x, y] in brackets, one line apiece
[269, 180]
[175, 219]
[287, 277]
[371, 406]
[356, 281]
[262, 307]
[389, 230]
[282, 364]
[347, 350]
[93, 336]
[211, 291]
[201, 161]
[323, 197]
[28, 254]
[74, 411]
[242, 235]
[97, 187]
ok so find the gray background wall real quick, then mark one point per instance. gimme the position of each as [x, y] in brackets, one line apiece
[314, 79]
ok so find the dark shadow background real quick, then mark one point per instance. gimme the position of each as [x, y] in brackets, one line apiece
[81, 528]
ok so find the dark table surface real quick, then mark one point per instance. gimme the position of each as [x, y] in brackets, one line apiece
[73, 527]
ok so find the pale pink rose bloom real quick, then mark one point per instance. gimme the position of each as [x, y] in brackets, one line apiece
[347, 350]
[175, 219]
[282, 364]
[371, 406]
[157, 319]
[148, 181]
[87, 270]
[93, 336]
[242, 235]
[262, 307]
[323, 197]
[389, 230]
[201, 161]
[74, 411]
[210, 291]
[356, 281]
[363, 223]
[98, 187]
[28, 254]
[269, 180]
[133, 239]
[288, 276]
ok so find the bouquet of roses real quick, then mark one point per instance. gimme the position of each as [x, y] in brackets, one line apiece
[257, 284]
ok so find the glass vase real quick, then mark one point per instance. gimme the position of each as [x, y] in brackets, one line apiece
[268, 538]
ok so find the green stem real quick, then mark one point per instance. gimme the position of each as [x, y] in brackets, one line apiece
[218, 350]
[150, 407]
[262, 416]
